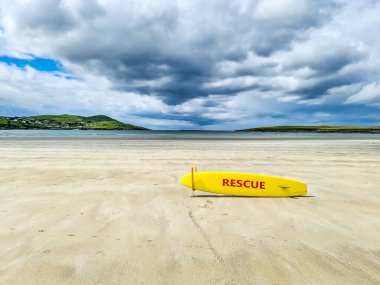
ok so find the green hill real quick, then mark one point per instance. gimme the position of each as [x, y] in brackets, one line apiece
[316, 129]
[56, 122]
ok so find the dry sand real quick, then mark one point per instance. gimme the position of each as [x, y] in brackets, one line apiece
[114, 212]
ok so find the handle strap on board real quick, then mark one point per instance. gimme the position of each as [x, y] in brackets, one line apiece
[193, 171]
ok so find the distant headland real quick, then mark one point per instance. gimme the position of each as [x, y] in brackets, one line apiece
[316, 129]
[65, 122]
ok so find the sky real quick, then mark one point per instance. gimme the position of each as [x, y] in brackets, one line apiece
[191, 64]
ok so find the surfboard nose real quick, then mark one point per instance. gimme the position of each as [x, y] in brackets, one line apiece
[304, 189]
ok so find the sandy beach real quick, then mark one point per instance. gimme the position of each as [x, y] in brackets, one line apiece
[114, 212]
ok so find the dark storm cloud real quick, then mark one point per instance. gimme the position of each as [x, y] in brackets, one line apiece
[170, 51]
[321, 86]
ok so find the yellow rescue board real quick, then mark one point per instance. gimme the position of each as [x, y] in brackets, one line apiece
[244, 184]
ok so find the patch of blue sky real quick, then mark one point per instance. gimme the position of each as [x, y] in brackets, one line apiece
[38, 63]
[66, 75]
[41, 64]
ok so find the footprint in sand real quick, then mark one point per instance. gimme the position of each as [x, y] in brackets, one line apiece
[205, 206]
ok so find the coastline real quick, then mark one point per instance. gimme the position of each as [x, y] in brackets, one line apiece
[260, 130]
[316, 129]
[175, 135]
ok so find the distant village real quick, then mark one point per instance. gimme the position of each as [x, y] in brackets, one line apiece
[66, 121]
[33, 122]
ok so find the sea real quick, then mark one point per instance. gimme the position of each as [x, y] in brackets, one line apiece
[170, 135]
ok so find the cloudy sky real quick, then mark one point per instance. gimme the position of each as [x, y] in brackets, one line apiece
[190, 64]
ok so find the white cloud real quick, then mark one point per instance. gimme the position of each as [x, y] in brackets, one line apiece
[37, 92]
[235, 82]
[369, 94]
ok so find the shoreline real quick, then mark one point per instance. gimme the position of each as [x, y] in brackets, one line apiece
[217, 136]
[232, 131]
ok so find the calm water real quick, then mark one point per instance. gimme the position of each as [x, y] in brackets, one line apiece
[167, 135]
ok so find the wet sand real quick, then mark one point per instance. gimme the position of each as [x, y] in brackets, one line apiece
[114, 212]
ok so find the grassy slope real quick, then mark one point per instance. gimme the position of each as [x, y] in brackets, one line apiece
[320, 129]
[5, 122]
[59, 118]
[68, 122]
